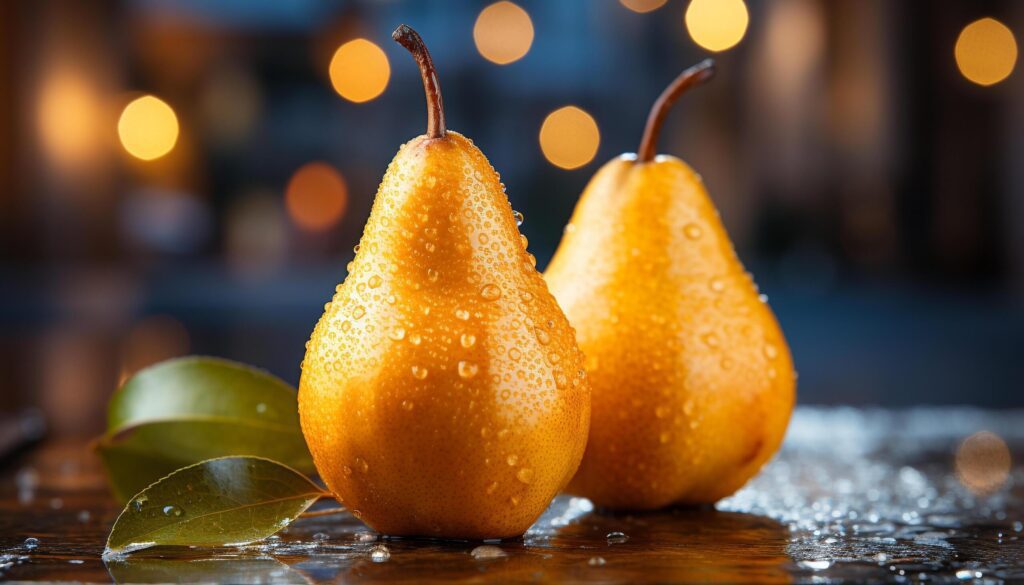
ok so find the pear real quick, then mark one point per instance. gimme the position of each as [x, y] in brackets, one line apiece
[692, 381]
[442, 392]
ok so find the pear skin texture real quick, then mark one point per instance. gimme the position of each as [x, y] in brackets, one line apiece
[443, 393]
[692, 380]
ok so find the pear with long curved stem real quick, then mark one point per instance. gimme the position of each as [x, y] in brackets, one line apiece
[692, 381]
[443, 393]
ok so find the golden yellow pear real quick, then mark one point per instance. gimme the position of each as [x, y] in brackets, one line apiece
[442, 392]
[692, 381]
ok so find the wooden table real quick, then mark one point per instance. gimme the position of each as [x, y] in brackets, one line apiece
[854, 495]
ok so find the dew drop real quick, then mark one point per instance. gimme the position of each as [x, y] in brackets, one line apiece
[415, 339]
[617, 537]
[710, 339]
[504, 434]
[525, 475]
[408, 405]
[173, 511]
[490, 292]
[717, 284]
[519, 217]
[523, 241]
[419, 372]
[374, 281]
[596, 561]
[542, 336]
[365, 537]
[380, 554]
[362, 464]
[346, 470]
[514, 500]
[467, 340]
[688, 406]
[397, 334]
[771, 352]
[662, 411]
[561, 381]
[139, 502]
[487, 551]
[462, 314]
[432, 275]
[491, 488]
[467, 369]
[692, 231]
[31, 542]
[512, 459]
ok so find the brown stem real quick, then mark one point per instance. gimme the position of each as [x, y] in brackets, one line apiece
[409, 39]
[695, 75]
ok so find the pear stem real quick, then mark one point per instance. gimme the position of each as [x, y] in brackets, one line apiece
[412, 41]
[693, 76]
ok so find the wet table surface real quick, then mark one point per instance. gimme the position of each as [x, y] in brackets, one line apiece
[855, 495]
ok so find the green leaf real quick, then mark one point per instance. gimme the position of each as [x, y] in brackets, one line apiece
[130, 469]
[185, 410]
[231, 500]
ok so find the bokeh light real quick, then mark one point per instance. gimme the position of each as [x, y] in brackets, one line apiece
[230, 105]
[68, 117]
[359, 71]
[257, 234]
[317, 196]
[717, 25]
[153, 339]
[983, 462]
[503, 33]
[643, 5]
[148, 128]
[569, 137]
[986, 51]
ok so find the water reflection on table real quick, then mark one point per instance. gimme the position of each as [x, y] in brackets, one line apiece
[855, 495]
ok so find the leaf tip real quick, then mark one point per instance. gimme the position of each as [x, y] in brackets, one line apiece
[119, 553]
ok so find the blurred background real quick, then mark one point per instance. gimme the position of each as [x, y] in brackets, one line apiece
[191, 176]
